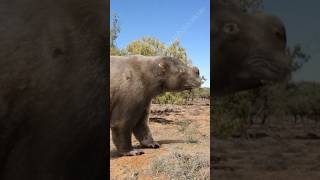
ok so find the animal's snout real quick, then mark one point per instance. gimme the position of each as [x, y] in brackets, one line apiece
[287, 70]
[285, 64]
[198, 78]
[196, 70]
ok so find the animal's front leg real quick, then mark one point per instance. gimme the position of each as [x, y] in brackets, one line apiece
[143, 134]
[121, 137]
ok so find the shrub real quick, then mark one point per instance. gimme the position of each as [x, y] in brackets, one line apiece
[182, 166]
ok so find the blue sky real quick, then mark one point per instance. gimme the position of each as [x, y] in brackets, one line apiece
[302, 20]
[166, 20]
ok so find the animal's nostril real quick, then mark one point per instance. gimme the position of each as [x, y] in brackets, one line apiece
[281, 35]
[196, 70]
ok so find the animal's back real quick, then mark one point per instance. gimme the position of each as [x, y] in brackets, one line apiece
[126, 78]
[124, 69]
[52, 89]
[119, 70]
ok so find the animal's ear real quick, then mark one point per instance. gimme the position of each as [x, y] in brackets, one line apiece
[163, 66]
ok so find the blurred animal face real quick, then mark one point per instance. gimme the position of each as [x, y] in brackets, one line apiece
[249, 50]
[178, 76]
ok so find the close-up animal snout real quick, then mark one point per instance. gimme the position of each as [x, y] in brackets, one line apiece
[197, 80]
[196, 70]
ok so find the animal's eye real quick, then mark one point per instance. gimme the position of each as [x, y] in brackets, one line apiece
[231, 28]
[196, 70]
[281, 35]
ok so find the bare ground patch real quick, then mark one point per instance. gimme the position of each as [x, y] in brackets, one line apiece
[285, 151]
[184, 135]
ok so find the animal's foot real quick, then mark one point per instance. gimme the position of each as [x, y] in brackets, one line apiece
[153, 145]
[134, 152]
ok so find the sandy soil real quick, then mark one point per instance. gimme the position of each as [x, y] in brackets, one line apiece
[183, 128]
[279, 150]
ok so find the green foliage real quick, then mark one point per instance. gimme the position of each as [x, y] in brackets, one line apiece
[303, 99]
[298, 57]
[227, 127]
[177, 51]
[233, 114]
[114, 51]
[183, 97]
[179, 98]
[146, 46]
[201, 93]
[149, 46]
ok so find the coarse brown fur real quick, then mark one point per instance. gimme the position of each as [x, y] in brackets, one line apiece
[134, 81]
[53, 88]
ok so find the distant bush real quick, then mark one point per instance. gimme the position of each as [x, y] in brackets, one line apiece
[179, 98]
[182, 98]
[235, 113]
[230, 113]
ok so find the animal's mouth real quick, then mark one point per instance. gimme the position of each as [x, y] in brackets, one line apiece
[267, 70]
[192, 85]
[264, 64]
[189, 87]
[266, 82]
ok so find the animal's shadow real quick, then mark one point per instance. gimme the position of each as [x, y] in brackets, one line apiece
[160, 120]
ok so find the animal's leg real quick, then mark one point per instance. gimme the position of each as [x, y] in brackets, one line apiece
[122, 140]
[143, 134]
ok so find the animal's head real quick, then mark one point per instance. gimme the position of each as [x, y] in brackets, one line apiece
[249, 49]
[177, 76]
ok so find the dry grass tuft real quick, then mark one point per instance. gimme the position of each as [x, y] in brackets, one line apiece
[182, 166]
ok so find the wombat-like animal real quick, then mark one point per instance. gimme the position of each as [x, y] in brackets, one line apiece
[249, 50]
[134, 81]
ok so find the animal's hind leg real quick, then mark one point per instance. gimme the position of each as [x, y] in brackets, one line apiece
[143, 134]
